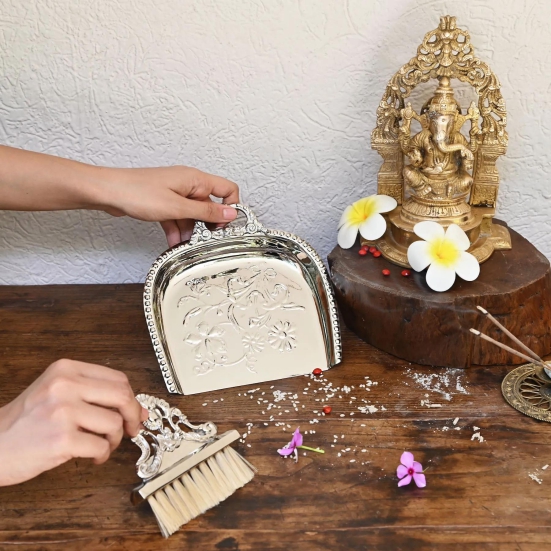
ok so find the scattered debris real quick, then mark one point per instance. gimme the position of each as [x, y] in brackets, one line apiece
[429, 405]
[476, 436]
[368, 409]
[535, 478]
[446, 382]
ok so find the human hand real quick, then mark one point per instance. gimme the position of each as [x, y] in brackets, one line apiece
[73, 409]
[174, 196]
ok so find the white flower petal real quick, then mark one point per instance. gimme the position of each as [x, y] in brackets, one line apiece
[373, 228]
[418, 255]
[344, 217]
[347, 235]
[458, 236]
[467, 267]
[440, 278]
[384, 203]
[429, 231]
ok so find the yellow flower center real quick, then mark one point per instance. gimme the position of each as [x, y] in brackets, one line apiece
[362, 210]
[444, 252]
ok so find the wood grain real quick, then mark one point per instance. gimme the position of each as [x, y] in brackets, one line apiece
[479, 494]
[404, 317]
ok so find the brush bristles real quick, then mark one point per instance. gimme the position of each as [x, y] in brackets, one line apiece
[200, 489]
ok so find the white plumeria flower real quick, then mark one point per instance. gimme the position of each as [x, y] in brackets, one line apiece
[364, 216]
[444, 252]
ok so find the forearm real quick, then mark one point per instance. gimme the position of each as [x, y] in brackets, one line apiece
[35, 181]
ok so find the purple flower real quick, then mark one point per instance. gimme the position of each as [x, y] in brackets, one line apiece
[294, 445]
[291, 447]
[410, 469]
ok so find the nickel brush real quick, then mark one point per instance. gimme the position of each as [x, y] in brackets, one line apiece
[184, 472]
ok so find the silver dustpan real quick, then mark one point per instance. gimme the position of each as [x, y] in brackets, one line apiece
[239, 306]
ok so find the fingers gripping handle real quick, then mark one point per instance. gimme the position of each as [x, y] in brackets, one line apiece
[251, 226]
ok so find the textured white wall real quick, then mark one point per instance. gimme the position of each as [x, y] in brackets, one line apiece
[278, 95]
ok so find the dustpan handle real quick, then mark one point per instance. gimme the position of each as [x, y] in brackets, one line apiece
[252, 226]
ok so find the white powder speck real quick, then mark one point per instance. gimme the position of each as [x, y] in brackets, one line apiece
[444, 382]
[456, 420]
[476, 428]
[477, 436]
[368, 409]
[544, 467]
[204, 404]
[535, 478]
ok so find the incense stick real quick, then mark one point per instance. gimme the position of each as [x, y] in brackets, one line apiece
[510, 335]
[505, 347]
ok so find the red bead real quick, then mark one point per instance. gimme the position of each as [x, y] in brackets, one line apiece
[406, 273]
[372, 249]
[386, 272]
[317, 372]
[362, 252]
[327, 410]
[365, 247]
[377, 254]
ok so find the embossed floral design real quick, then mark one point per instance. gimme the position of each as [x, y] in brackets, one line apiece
[207, 342]
[282, 336]
[231, 317]
[253, 343]
[204, 367]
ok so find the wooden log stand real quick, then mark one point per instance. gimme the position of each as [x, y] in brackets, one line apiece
[402, 316]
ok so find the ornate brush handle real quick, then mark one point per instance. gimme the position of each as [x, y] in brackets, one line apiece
[165, 438]
[252, 227]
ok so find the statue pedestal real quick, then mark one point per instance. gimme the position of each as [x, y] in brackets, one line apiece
[402, 316]
[485, 237]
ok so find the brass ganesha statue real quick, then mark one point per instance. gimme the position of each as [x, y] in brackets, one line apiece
[450, 176]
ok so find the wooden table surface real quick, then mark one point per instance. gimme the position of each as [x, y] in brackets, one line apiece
[479, 495]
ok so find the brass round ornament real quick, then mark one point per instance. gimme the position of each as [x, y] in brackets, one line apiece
[527, 392]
